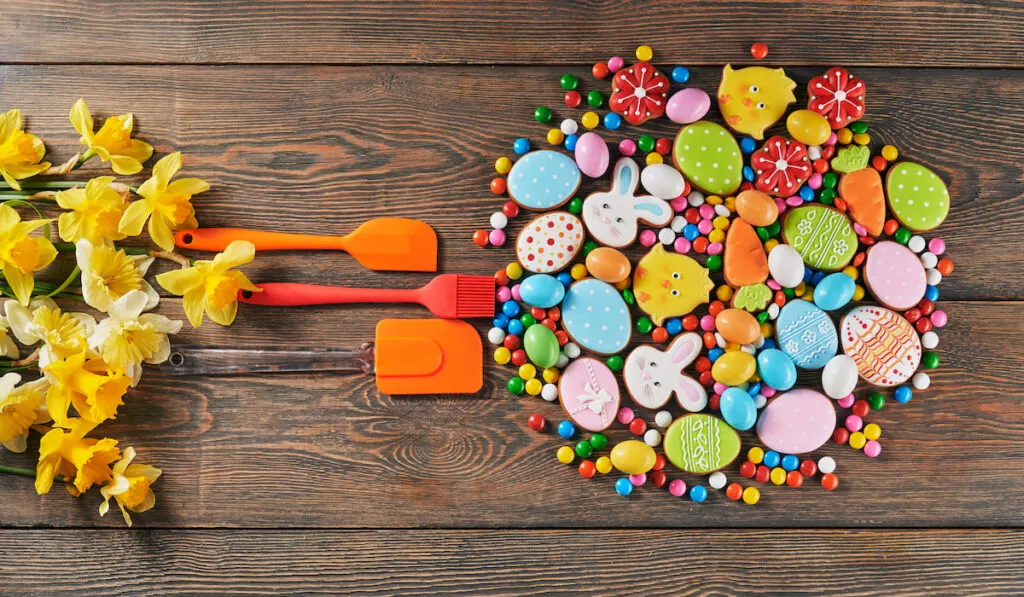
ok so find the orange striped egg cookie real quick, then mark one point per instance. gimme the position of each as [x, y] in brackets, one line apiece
[884, 345]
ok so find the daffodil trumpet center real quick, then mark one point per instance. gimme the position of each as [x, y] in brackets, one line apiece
[221, 291]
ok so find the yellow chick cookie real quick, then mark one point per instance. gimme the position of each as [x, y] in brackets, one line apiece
[754, 98]
[669, 284]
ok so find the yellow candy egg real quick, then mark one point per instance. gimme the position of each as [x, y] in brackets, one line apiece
[578, 271]
[862, 138]
[778, 475]
[767, 330]
[751, 495]
[770, 244]
[555, 137]
[624, 284]
[565, 455]
[844, 136]
[851, 271]
[503, 165]
[755, 455]
[502, 355]
[644, 53]
[713, 200]
[872, 431]
[551, 375]
[527, 371]
[590, 119]
[734, 368]
[890, 153]
[603, 465]
[808, 127]
[534, 386]
[654, 158]
[858, 293]
[633, 457]
[857, 440]
[514, 270]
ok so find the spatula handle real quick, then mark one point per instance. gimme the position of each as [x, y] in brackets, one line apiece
[288, 294]
[217, 239]
[229, 361]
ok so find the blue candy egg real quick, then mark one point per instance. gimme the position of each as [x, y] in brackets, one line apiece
[698, 493]
[623, 486]
[748, 173]
[771, 459]
[738, 409]
[834, 291]
[776, 369]
[714, 353]
[806, 193]
[748, 145]
[542, 290]
[566, 429]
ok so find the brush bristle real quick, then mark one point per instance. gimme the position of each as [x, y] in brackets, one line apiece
[475, 296]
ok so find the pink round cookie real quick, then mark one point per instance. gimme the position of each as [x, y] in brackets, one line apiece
[895, 275]
[549, 242]
[589, 393]
[797, 422]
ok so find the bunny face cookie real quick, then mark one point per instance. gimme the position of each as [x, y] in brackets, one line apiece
[652, 376]
[611, 217]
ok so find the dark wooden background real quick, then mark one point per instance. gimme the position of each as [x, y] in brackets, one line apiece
[314, 116]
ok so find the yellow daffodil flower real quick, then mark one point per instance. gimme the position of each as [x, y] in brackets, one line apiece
[95, 212]
[7, 346]
[131, 486]
[88, 384]
[20, 152]
[20, 408]
[82, 459]
[113, 142]
[212, 286]
[109, 273]
[43, 321]
[167, 204]
[129, 338]
[20, 254]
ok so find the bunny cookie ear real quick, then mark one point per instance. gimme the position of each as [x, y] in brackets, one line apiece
[625, 177]
[652, 210]
[685, 349]
[691, 395]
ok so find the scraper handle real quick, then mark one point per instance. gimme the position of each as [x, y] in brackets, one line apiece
[217, 239]
[230, 361]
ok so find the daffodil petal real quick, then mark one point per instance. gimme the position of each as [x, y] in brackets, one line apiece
[20, 319]
[188, 186]
[243, 281]
[10, 180]
[140, 150]
[10, 121]
[181, 281]
[161, 233]
[8, 219]
[224, 315]
[166, 168]
[20, 282]
[21, 171]
[134, 218]
[47, 252]
[81, 119]
[8, 348]
[237, 253]
[194, 303]
[124, 165]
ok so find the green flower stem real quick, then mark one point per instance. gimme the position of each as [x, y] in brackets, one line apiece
[88, 155]
[5, 196]
[32, 186]
[70, 248]
[26, 472]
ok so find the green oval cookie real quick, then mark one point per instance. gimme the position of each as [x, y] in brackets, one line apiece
[701, 444]
[709, 157]
[917, 196]
[821, 235]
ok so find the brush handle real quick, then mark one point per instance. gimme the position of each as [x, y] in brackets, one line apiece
[217, 239]
[229, 361]
[288, 294]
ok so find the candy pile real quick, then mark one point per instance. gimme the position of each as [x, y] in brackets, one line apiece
[760, 259]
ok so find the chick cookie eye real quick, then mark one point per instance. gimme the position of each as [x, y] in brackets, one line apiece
[619, 220]
[676, 275]
[760, 105]
[605, 205]
[675, 293]
[754, 89]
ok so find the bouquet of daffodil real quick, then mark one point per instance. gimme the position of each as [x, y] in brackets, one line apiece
[86, 367]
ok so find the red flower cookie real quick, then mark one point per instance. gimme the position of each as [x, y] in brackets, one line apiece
[837, 96]
[639, 93]
[782, 166]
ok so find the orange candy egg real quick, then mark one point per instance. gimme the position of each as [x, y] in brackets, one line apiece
[736, 325]
[757, 208]
[608, 265]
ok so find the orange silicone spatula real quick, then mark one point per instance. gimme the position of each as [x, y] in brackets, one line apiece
[409, 356]
[391, 244]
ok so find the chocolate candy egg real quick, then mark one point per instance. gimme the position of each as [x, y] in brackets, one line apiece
[608, 265]
[687, 105]
[541, 345]
[736, 325]
[757, 207]
[541, 290]
[592, 154]
[786, 266]
[734, 368]
[663, 181]
[808, 127]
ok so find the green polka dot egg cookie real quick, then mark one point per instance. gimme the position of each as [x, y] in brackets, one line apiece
[917, 196]
[709, 157]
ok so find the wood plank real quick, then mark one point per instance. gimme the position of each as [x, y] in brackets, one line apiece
[325, 450]
[927, 33]
[321, 149]
[535, 562]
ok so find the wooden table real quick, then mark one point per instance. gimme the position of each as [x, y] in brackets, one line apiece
[314, 116]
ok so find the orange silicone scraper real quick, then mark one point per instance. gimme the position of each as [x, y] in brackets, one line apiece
[390, 244]
[409, 356]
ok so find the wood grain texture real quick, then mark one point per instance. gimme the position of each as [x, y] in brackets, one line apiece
[532, 562]
[326, 450]
[321, 149]
[876, 32]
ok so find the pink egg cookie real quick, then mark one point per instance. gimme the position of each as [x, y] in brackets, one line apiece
[884, 345]
[589, 394]
[797, 422]
[894, 275]
[549, 242]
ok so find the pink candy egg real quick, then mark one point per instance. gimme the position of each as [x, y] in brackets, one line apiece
[687, 105]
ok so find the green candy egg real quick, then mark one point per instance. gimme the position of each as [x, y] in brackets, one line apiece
[541, 345]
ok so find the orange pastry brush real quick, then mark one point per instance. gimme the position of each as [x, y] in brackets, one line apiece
[448, 296]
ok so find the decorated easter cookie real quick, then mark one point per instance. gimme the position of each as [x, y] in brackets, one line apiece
[823, 236]
[669, 284]
[611, 217]
[652, 375]
[639, 93]
[838, 96]
[797, 422]
[805, 333]
[782, 166]
[709, 157]
[549, 242]
[918, 198]
[865, 200]
[752, 99]
[596, 316]
[884, 345]
[589, 394]
[543, 179]
[753, 298]
[701, 444]
[852, 158]
[894, 275]
[745, 262]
